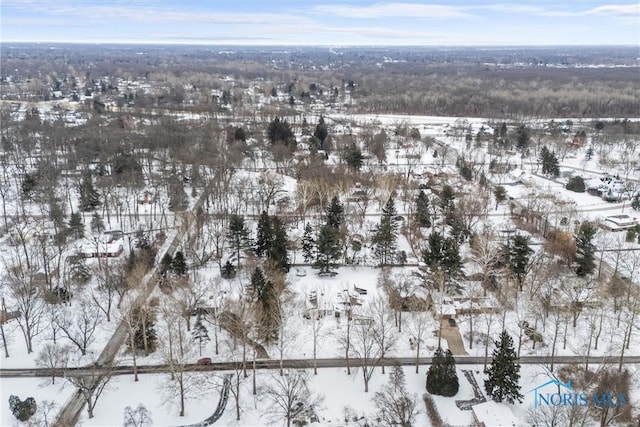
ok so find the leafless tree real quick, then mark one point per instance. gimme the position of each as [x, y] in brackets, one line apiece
[284, 392]
[25, 295]
[385, 332]
[178, 351]
[139, 417]
[79, 325]
[53, 358]
[92, 384]
[365, 346]
[396, 407]
[418, 326]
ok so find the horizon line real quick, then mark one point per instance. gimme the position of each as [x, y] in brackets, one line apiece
[324, 45]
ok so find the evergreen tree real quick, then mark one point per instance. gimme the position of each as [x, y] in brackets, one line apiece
[97, 225]
[503, 375]
[335, 213]
[328, 249]
[422, 210]
[22, 410]
[268, 307]
[443, 261]
[265, 234]
[447, 202]
[89, 197]
[144, 331]
[279, 132]
[386, 233]
[178, 200]
[519, 257]
[585, 249]
[442, 378]
[500, 194]
[228, 270]
[277, 249]
[166, 263]
[308, 244]
[353, 157]
[321, 133]
[237, 235]
[523, 137]
[179, 264]
[549, 162]
[200, 333]
[76, 226]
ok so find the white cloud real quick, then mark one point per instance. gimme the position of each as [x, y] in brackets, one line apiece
[396, 10]
[616, 10]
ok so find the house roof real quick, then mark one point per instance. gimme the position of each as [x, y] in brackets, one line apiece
[494, 414]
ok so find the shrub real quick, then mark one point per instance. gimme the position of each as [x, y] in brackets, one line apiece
[576, 184]
[432, 411]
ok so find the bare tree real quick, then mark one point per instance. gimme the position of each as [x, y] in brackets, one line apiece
[178, 351]
[91, 385]
[285, 392]
[54, 358]
[385, 331]
[396, 407]
[79, 326]
[25, 296]
[139, 417]
[418, 326]
[365, 346]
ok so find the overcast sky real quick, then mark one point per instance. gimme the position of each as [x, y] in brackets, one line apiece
[328, 22]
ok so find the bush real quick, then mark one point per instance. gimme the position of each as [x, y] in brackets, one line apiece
[22, 410]
[576, 184]
[432, 411]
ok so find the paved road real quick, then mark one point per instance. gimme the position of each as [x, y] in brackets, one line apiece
[70, 412]
[308, 364]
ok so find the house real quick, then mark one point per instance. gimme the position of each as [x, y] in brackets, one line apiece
[490, 413]
[619, 222]
[105, 246]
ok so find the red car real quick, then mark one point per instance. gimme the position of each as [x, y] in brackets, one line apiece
[204, 361]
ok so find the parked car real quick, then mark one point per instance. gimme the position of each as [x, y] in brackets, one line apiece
[204, 361]
[452, 322]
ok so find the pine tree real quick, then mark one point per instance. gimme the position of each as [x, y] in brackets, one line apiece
[76, 226]
[321, 132]
[178, 200]
[22, 410]
[200, 333]
[519, 253]
[238, 235]
[179, 264]
[166, 263]
[443, 260]
[268, 307]
[265, 234]
[353, 157]
[308, 244]
[386, 233]
[585, 249]
[335, 213]
[503, 375]
[144, 333]
[447, 202]
[329, 250]
[423, 217]
[89, 197]
[549, 162]
[442, 378]
[97, 225]
[277, 250]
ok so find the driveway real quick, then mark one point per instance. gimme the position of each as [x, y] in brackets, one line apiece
[453, 337]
